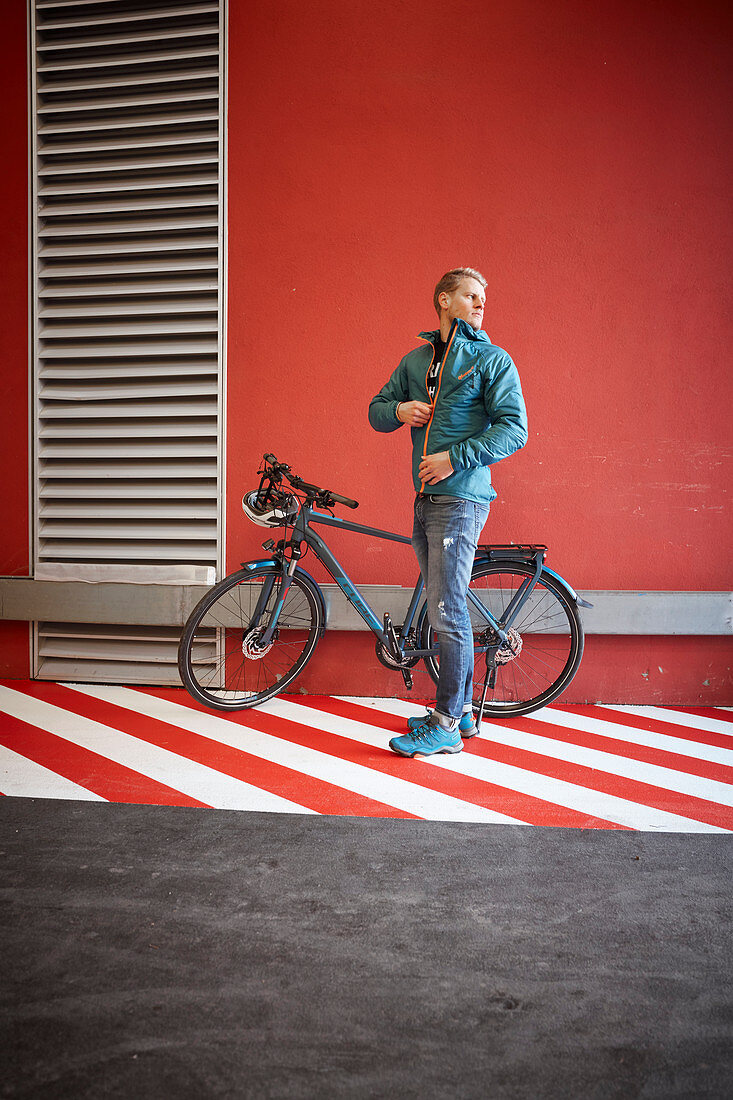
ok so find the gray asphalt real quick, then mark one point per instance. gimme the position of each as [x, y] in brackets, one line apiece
[155, 951]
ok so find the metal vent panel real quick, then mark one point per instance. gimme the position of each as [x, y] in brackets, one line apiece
[128, 181]
[117, 654]
[128, 283]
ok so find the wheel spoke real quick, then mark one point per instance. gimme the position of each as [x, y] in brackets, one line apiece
[219, 659]
[548, 627]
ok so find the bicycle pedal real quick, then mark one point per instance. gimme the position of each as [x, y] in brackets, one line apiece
[407, 677]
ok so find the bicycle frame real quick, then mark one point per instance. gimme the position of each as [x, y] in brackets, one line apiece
[517, 605]
[302, 532]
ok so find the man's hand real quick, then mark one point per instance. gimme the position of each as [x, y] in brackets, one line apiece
[414, 413]
[435, 468]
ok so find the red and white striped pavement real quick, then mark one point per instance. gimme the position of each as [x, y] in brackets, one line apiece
[593, 767]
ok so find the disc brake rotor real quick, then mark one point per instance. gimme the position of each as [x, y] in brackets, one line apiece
[511, 648]
[251, 647]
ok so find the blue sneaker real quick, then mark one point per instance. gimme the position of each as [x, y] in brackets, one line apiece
[426, 739]
[467, 724]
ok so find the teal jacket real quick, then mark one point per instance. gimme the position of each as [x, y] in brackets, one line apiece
[478, 414]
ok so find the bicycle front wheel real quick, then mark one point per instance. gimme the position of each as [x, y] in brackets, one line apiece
[545, 640]
[221, 658]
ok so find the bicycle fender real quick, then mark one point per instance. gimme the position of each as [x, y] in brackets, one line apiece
[484, 558]
[568, 587]
[298, 569]
[260, 563]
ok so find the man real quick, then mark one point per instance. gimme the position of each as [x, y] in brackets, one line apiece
[463, 401]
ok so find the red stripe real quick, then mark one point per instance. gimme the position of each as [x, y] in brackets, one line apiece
[654, 725]
[314, 794]
[88, 769]
[629, 750]
[535, 811]
[633, 790]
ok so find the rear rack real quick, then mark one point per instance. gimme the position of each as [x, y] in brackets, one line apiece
[496, 551]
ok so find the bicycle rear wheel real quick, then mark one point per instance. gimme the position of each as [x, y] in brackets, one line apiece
[546, 639]
[220, 658]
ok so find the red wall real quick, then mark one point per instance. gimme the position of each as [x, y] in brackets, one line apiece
[14, 546]
[578, 156]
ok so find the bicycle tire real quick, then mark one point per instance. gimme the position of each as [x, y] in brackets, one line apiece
[217, 655]
[550, 631]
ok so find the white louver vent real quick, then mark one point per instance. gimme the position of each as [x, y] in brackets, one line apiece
[110, 654]
[127, 289]
[128, 279]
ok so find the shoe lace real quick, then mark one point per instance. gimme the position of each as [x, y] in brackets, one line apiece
[422, 733]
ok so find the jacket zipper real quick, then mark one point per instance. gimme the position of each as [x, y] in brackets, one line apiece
[448, 346]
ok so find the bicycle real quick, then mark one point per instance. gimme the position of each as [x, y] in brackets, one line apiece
[254, 632]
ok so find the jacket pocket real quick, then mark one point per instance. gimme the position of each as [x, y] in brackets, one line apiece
[466, 374]
[461, 386]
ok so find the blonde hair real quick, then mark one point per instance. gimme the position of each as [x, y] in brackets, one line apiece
[452, 279]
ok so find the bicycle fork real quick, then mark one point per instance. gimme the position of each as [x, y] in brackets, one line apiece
[264, 599]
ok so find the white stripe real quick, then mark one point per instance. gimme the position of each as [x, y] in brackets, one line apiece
[23, 778]
[196, 780]
[560, 792]
[664, 742]
[390, 790]
[676, 718]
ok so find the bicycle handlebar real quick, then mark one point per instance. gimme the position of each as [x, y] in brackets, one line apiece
[346, 501]
[324, 497]
[318, 491]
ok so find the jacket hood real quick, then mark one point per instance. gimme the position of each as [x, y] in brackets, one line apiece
[464, 329]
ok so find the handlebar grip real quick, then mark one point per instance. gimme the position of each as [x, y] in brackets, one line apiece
[271, 459]
[316, 491]
[344, 500]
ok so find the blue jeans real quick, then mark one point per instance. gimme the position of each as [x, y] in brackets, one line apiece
[444, 538]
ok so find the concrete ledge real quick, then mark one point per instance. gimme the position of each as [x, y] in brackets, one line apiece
[81, 602]
[614, 612]
[684, 613]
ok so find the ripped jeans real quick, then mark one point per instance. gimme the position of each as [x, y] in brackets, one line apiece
[444, 537]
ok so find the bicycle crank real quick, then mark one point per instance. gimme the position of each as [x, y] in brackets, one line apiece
[389, 661]
[390, 656]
